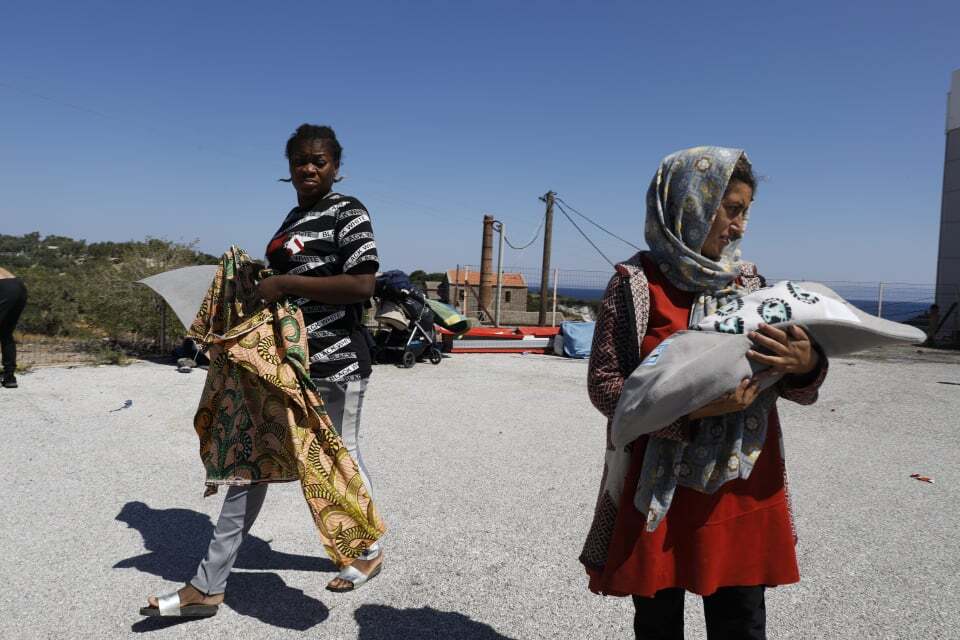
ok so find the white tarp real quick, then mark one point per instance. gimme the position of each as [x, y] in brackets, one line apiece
[183, 289]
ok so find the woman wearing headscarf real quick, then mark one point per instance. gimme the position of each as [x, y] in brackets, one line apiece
[702, 505]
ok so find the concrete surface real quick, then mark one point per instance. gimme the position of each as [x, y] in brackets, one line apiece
[486, 469]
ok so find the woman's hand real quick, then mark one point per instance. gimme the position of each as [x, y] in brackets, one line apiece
[271, 289]
[790, 352]
[737, 400]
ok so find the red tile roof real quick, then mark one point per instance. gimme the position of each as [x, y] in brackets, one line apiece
[509, 279]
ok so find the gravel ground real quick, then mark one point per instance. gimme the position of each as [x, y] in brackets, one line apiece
[486, 469]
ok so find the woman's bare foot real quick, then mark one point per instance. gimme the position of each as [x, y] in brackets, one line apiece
[191, 595]
[365, 567]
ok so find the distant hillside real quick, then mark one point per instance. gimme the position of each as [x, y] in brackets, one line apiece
[60, 252]
[87, 290]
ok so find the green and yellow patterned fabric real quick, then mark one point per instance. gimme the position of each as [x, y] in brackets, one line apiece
[260, 418]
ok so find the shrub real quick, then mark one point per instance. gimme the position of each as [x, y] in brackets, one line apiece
[80, 290]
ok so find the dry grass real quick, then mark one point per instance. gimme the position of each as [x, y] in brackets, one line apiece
[34, 351]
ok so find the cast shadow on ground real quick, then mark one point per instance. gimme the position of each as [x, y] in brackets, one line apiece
[264, 596]
[380, 622]
[176, 539]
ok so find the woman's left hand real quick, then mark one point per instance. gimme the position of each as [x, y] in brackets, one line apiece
[271, 289]
[789, 352]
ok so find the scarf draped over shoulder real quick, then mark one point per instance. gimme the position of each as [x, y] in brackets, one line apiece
[260, 418]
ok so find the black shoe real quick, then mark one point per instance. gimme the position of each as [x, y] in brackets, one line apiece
[9, 381]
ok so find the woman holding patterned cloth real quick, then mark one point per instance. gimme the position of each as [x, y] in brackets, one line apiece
[283, 396]
[726, 533]
[327, 259]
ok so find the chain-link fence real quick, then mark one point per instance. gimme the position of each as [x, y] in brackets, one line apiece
[573, 283]
[83, 301]
[100, 323]
[910, 303]
[901, 302]
[109, 320]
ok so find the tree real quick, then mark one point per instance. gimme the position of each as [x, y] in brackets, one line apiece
[85, 290]
[420, 277]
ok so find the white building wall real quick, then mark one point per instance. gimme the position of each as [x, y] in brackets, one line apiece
[953, 102]
[948, 259]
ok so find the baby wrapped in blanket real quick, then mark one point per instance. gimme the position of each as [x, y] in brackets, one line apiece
[691, 368]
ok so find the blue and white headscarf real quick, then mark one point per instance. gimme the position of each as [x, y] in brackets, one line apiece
[681, 204]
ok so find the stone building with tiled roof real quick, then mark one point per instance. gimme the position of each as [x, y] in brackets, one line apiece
[463, 291]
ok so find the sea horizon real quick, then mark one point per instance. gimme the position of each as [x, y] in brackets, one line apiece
[898, 310]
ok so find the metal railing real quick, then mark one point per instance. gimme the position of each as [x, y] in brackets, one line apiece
[106, 324]
[898, 301]
[118, 320]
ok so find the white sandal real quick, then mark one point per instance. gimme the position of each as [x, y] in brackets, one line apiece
[354, 576]
[169, 607]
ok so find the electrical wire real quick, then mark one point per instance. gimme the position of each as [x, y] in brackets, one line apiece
[536, 234]
[585, 236]
[127, 121]
[393, 200]
[446, 213]
[598, 226]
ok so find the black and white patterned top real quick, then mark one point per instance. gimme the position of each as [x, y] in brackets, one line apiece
[332, 238]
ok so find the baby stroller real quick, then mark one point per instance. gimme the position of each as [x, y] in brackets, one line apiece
[406, 333]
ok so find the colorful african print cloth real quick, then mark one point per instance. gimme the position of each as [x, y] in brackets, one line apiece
[260, 418]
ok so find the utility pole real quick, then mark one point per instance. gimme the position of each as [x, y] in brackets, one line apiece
[500, 229]
[545, 269]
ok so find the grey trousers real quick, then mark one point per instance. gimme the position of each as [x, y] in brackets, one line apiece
[241, 505]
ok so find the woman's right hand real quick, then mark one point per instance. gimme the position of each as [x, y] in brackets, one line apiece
[737, 400]
[272, 288]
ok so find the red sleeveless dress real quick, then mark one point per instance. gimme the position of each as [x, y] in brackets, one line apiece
[742, 535]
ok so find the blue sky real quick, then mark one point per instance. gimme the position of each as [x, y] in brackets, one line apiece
[125, 120]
